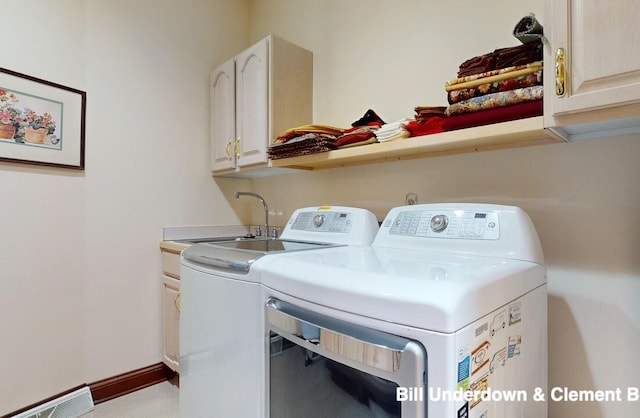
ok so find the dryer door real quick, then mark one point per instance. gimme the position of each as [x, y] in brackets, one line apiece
[325, 367]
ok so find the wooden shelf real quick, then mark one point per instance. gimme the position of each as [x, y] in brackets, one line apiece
[518, 133]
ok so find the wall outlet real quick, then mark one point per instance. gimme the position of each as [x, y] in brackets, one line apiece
[411, 199]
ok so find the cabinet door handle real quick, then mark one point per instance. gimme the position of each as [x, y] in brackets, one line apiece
[228, 150]
[176, 302]
[560, 72]
[237, 147]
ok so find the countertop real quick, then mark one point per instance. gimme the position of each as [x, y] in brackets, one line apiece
[173, 246]
[173, 236]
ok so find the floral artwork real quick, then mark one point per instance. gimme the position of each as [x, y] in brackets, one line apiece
[29, 120]
[41, 122]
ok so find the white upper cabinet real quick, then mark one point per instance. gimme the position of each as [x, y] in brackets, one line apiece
[256, 96]
[223, 114]
[252, 105]
[592, 68]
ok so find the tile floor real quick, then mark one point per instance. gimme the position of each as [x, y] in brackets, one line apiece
[157, 401]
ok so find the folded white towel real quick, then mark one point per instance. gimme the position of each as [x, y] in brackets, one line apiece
[394, 125]
[396, 134]
[389, 133]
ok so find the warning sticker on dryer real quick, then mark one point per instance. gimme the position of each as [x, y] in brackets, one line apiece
[515, 313]
[513, 349]
[498, 323]
[480, 357]
[464, 368]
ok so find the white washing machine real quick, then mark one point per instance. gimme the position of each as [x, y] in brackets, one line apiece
[222, 334]
[444, 316]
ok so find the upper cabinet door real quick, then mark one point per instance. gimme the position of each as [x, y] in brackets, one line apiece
[592, 62]
[252, 104]
[222, 121]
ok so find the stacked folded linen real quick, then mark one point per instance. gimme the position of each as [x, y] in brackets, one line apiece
[495, 81]
[356, 136]
[496, 115]
[501, 58]
[314, 138]
[429, 126]
[311, 139]
[427, 112]
[503, 78]
[494, 100]
[500, 79]
[292, 133]
[302, 140]
[496, 88]
[393, 130]
[362, 131]
[428, 120]
[302, 145]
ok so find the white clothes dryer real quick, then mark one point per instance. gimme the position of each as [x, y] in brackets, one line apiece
[444, 316]
[222, 361]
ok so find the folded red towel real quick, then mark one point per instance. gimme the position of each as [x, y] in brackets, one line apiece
[429, 126]
[498, 114]
[352, 138]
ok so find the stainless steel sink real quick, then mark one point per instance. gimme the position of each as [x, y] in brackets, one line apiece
[238, 254]
[217, 239]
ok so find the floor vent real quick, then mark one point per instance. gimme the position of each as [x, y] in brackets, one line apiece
[71, 405]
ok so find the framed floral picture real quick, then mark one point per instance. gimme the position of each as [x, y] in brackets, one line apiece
[41, 122]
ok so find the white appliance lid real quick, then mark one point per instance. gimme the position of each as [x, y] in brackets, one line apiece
[333, 224]
[436, 291]
[462, 228]
[307, 229]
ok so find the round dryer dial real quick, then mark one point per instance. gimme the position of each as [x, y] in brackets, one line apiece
[318, 220]
[439, 223]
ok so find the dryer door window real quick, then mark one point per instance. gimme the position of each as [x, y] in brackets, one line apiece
[324, 367]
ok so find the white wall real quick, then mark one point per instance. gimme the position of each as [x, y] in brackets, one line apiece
[79, 256]
[42, 227]
[582, 197]
[387, 55]
[79, 263]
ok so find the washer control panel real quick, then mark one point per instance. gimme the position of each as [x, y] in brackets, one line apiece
[458, 224]
[323, 221]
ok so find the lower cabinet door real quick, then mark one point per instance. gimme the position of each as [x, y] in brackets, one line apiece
[171, 322]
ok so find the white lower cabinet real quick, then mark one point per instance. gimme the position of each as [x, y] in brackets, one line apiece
[171, 322]
[171, 306]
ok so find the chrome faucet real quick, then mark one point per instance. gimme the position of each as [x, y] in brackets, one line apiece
[266, 209]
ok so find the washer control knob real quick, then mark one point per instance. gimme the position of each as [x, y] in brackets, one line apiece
[439, 223]
[318, 220]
